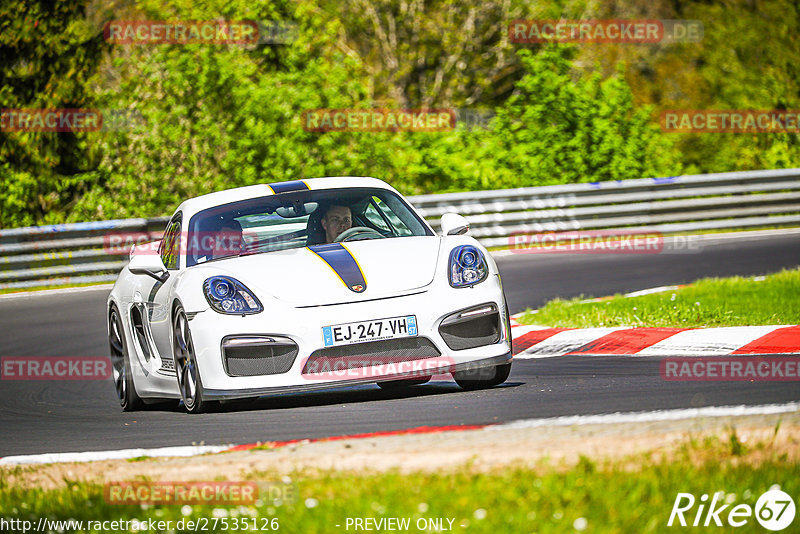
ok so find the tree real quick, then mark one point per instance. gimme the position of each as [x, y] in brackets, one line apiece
[48, 54]
[561, 128]
[425, 54]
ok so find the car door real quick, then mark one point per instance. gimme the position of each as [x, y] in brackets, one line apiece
[173, 254]
[149, 311]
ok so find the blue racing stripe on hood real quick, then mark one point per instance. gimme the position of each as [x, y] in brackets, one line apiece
[343, 264]
[286, 187]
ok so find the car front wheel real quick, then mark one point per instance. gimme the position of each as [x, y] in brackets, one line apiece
[189, 383]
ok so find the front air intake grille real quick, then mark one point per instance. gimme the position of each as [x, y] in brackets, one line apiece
[472, 328]
[360, 355]
[255, 357]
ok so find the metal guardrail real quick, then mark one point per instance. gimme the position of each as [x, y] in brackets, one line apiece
[76, 253]
[66, 254]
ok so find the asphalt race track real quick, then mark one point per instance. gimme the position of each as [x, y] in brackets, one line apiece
[66, 416]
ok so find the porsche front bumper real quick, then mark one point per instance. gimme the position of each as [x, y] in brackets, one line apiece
[303, 327]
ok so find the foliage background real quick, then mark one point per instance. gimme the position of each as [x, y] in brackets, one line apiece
[220, 116]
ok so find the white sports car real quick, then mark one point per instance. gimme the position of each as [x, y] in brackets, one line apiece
[302, 285]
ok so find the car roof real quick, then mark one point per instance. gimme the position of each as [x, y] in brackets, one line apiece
[193, 205]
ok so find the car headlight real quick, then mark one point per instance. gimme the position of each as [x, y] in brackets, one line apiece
[467, 266]
[228, 295]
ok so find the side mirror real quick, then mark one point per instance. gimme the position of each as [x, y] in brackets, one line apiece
[454, 224]
[149, 263]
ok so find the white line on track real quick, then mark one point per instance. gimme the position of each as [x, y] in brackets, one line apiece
[124, 454]
[570, 420]
[647, 417]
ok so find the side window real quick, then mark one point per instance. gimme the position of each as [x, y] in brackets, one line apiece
[371, 213]
[399, 227]
[170, 245]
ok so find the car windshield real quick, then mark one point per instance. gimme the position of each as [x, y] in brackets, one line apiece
[295, 220]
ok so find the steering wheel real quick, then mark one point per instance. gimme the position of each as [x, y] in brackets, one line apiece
[358, 232]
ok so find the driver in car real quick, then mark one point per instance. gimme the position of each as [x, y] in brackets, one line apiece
[336, 220]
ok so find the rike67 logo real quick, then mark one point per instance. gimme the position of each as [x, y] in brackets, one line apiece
[774, 510]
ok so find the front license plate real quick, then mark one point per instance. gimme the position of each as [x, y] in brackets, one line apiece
[349, 333]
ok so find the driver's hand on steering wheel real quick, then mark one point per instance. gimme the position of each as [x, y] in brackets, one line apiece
[357, 233]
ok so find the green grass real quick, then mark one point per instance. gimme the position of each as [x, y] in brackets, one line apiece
[736, 301]
[628, 495]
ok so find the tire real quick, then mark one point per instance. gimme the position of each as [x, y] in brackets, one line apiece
[186, 370]
[394, 385]
[484, 377]
[129, 400]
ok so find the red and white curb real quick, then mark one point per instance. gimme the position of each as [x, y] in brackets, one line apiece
[542, 342]
[571, 420]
